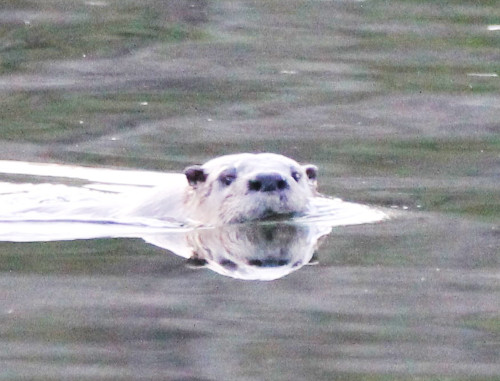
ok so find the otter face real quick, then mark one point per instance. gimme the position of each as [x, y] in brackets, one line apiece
[244, 187]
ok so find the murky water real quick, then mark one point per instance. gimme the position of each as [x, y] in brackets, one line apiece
[396, 102]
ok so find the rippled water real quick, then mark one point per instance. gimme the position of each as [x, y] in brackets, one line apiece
[257, 250]
[396, 102]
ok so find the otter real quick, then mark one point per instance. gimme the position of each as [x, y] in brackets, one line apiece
[247, 216]
[233, 189]
[226, 190]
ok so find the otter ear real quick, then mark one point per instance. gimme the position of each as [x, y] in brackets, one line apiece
[311, 171]
[195, 175]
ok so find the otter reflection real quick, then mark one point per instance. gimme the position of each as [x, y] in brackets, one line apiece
[254, 251]
[204, 214]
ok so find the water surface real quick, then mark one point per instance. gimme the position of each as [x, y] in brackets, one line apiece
[396, 102]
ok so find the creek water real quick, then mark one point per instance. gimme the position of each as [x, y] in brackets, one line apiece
[396, 102]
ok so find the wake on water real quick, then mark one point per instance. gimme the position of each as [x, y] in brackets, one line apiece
[71, 203]
[42, 210]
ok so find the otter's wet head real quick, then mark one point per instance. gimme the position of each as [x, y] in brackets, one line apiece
[245, 187]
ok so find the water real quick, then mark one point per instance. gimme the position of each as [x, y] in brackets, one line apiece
[103, 204]
[396, 102]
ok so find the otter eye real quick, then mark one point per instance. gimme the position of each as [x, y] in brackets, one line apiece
[296, 175]
[228, 176]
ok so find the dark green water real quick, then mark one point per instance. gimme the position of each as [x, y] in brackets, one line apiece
[396, 102]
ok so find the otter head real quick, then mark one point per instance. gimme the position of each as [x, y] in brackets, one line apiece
[244, 187]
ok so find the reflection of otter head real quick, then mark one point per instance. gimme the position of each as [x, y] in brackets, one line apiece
[243, 187]
[256, 251]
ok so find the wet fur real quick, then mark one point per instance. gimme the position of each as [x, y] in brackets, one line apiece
[213, 202]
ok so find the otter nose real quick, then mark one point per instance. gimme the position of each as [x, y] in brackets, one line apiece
[267, 182]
